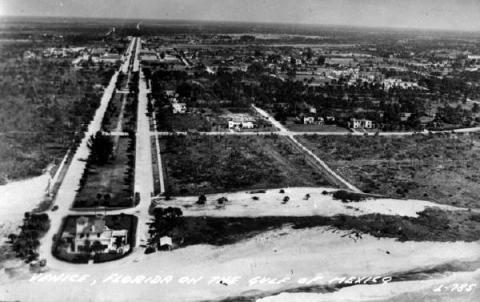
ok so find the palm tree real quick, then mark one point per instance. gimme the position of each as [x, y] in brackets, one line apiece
[106, 201]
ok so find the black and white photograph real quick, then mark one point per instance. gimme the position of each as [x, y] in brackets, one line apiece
[239, 150]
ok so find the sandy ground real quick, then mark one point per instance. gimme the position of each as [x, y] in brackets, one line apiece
[285, 253]
[241, 204]
[18, 197]
[441, 289]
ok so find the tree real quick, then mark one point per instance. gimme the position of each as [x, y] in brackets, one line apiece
[308, 53]
[321, 60]
[202, 199]
[475, 108]
[256, 68]
[97, 247]
[101, 148]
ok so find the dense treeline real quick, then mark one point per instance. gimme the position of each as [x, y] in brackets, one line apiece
[44, 107]
[26, 243]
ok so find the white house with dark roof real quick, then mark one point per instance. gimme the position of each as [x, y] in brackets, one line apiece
[88, 231]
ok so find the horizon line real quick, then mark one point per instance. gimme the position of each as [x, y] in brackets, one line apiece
[380, 28]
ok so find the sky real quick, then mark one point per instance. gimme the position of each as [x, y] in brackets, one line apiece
[422, 14]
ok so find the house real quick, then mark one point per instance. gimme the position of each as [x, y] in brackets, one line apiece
[404, 116]
[170, 93]
[234, 125]
[425, 120]
[308, 120]
[166, 242]
[248, 125]
[360, 123]
[179, 108]
[237, 125]
[88, 231]
[330, 119]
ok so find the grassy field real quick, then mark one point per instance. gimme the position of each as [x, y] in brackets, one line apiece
[442, 168]
[167, 121]
[209, 164]
[314, 128]
[111, 178]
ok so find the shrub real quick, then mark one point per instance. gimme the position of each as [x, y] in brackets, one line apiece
[347, 196]
[150, 249]
[202, 199]
[222, 200]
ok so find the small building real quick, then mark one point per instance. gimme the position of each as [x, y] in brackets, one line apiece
[237, 125]
[179, 108]
[165, 242]
[170, 93]
[425, 120]
[404, 116]
[248, 125]
[308, 120]
[360, 124]
[330, 119]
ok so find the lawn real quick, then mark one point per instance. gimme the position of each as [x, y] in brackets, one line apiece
[209, 164]
[114, 178]
[442, 168]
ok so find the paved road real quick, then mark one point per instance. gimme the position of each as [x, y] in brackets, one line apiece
[143, 161]
[68, 189]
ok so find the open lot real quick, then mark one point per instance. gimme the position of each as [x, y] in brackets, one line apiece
[314, 128]
[208, 164]
[112, 178]
[210, 119]
[443, 168]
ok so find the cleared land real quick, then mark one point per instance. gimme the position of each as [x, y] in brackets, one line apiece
[442, 168]
[209, 164]
[114, 178]
[210, 119]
